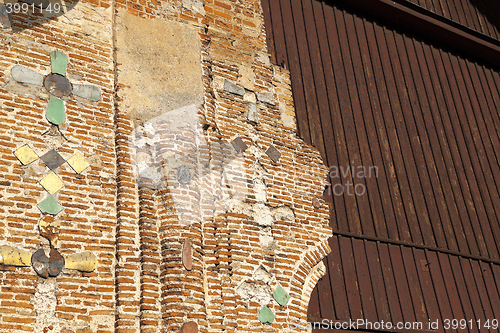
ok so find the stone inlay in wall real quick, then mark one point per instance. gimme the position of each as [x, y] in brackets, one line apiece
[273, 154]
[25, 155]
[239, 145]
[265, 315]
[52, 183]
[50, 206]
[52, 159]
[281, 296]
[58, 87]
[78, 162]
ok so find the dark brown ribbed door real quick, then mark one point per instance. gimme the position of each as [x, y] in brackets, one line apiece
[412, 130]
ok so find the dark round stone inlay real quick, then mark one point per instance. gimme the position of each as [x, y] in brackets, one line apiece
[57, 85]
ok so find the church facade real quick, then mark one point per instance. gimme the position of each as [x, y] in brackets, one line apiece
[152, 178]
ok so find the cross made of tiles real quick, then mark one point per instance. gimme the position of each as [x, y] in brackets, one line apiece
[58, 86]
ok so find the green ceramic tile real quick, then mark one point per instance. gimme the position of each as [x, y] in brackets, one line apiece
[266, 315]
[55, 111]
[281, 296]
[58, 62]
[50, 206]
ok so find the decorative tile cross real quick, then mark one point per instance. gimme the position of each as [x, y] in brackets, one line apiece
[59, 87]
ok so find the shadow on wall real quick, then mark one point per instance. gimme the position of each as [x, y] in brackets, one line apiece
[490, 9]
[17, 16]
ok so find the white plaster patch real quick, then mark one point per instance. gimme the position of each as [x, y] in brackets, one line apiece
[45, 303]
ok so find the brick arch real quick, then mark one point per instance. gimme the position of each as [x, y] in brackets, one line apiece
[307, 274]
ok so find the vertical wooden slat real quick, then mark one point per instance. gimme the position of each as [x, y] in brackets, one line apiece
[478, 203]
[439, 146]
[390, 283]
[439, 286]
[423, 230]
[457, 150]
[481, 119]
[352, 222]
[417, 298]
[364, 280]
[397, 147]
[352, 132]
[315, 38]
[451, 288]
[294, 67]
[377, 279]
[397, 229]
[473, 141]
[491, 287]
[463, 293]
[492, 95]
[482, 291]
[428, 287]
[362, 156]
[337, 279]
[403, 289]
[470, 285]
[277, 33]
[309, 87]
[376, 184]
[477, 115]
[269, 30]
[350, 278]
[332, 138]
[423, 153]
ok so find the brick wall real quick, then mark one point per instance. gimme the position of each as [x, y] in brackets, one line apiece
[198, 205]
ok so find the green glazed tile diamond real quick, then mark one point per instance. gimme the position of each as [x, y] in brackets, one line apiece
[78, 162]
[58, 62]
[265, 315]
[50, 206]
[281, 296]
[52, 183]
[55, 111]
[25, 154]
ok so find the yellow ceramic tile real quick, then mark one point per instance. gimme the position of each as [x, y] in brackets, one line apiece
[12, 256]
[78, 162]
[52, 183]
[25, 154]
[84, 261]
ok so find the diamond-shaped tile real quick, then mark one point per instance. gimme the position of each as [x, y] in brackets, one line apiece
[25, 155]
[239, 145]
[52, 183]
[281, 296]
[52, 159]
[273, 154]
[78, 162]
[265, 315]
[50, 206]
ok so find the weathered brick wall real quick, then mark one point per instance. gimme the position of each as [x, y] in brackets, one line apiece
[76, 301]
[186, 86]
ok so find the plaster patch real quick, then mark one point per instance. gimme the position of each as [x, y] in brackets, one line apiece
[45, 302]
[247, 78]
[160, 66]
